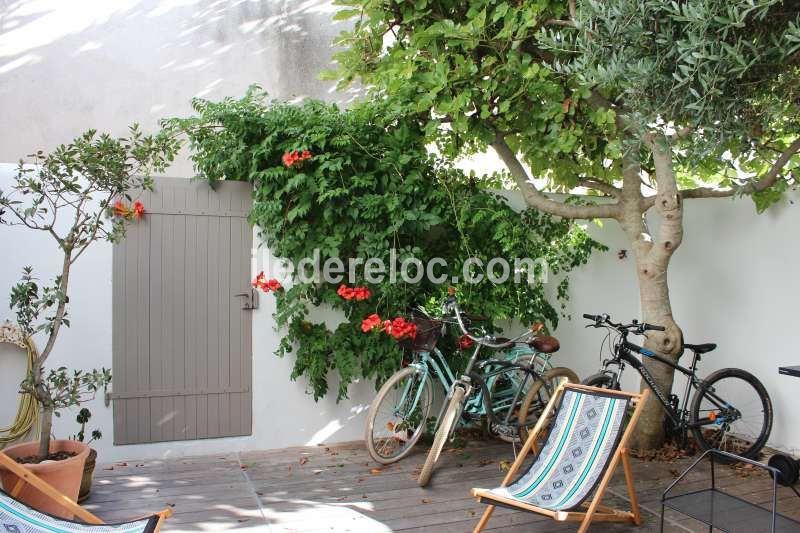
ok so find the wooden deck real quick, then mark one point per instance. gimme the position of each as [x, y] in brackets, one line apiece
[338, 488]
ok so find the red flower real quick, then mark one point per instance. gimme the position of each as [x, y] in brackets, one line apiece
[260, 280]
[370, 323]
[400, 328]
[362, 293]
[138, 209]
[290, 158]
[120, 209]
[266, 285]
[350, 293]
[465, 342]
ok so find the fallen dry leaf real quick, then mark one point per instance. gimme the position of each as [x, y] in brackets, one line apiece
[425, 501]
[375, 470]
[505, 465]
[303, 460]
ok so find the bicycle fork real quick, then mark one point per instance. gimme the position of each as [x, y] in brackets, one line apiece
[465, 383]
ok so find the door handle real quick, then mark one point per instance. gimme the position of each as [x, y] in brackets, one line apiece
[250, 299]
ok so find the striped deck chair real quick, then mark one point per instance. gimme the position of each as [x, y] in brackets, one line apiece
[16, 517]
[585, 444]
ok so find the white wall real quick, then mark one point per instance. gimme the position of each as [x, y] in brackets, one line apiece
[68, 66]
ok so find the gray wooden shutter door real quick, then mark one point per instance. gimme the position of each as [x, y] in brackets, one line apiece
[182, 342]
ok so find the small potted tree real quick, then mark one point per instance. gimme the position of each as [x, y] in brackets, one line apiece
[80, 193]
[88, 470]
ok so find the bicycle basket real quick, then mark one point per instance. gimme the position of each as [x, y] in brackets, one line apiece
[428, 333]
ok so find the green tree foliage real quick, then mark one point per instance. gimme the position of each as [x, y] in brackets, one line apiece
[370, 186]
[556, 80]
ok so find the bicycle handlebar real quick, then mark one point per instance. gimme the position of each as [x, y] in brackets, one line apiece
[635, 326]
[451, 304]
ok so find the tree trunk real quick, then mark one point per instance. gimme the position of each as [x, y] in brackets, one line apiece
[46, 427]
[652, 263]
[41, 391]
[656, 309]
[652, 253]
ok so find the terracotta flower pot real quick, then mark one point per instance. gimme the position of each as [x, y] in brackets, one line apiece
[64, 475]
[88, 476]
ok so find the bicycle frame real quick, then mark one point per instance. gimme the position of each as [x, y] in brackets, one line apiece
[433, 364]
[624, 354]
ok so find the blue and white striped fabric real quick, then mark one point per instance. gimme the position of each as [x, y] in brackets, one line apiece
[16, 517]
[580, 445]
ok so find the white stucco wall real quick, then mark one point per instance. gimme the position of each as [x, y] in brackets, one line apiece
[68, 66]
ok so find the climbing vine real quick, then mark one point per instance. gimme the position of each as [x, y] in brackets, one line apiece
[360, 184]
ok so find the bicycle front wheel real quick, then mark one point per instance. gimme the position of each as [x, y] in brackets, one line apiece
[732, 412]
[448, 423]
[398, 415]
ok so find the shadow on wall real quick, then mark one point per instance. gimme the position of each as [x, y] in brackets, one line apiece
[65, 66]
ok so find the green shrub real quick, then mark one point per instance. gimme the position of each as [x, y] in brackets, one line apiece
[370, 186]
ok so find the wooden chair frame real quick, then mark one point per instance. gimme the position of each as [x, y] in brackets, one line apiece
[595, 511]
[27, 477]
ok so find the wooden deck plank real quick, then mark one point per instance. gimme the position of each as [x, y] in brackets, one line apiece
[334, 488]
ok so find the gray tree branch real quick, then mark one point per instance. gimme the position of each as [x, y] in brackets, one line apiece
[753, 186]
[535, 198]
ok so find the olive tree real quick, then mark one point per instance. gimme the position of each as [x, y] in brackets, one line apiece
[639, 104]
[78, 194]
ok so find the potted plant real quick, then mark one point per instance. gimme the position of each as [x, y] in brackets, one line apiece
[78, 194]
[88, 470]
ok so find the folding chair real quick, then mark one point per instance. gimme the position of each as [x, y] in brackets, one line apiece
[15, 516]
[581, 453]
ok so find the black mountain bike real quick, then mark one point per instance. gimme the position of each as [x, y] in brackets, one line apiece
[730, 409]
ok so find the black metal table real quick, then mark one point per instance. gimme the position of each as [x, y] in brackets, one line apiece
[726, 512]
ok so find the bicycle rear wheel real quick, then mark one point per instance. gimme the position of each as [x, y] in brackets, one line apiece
[398, 415]
[600, 380]
[504, 388]
[732, 412]
[539, 394]
[449, 421]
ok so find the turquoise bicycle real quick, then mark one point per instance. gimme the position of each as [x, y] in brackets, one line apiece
[508, 392]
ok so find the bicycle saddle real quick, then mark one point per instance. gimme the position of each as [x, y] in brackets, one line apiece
[544, 344]
[700, 348]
